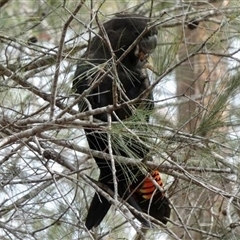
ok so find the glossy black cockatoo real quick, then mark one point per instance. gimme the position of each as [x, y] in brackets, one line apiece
[111, 74]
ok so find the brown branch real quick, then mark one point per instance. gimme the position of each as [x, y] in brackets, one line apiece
[59, 57]
[3, 2]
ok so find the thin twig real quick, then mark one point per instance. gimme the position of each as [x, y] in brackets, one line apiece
[59, 57]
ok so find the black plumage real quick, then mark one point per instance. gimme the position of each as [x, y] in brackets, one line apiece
[111, 73]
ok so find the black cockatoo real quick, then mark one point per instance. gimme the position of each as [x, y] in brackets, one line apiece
[111, 72]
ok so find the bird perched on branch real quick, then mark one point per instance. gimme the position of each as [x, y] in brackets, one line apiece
[111, 78]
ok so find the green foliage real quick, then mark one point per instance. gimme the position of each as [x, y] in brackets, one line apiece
[44, 158]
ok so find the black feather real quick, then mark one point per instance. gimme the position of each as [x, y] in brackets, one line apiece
[94, 78]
